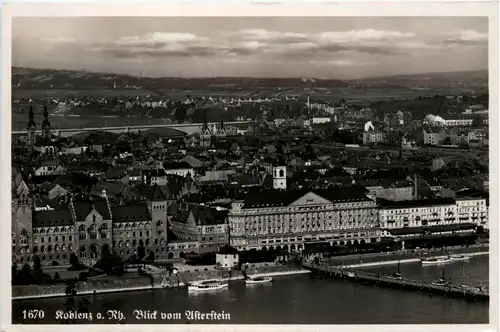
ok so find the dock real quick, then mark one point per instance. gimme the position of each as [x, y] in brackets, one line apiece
[367, 278]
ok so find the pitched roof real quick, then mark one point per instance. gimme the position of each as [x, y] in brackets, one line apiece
[83, 208]
[283, 198]
[60, 217]
[131, 213]
[415, 203]
[176, 165]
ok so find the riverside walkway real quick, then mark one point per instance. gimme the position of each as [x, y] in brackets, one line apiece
[457, 291]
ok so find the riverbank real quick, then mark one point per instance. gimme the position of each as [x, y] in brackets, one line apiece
[155, 281]
[403, 261]
[403, 256]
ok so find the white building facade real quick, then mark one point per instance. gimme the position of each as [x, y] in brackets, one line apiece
[290, 219]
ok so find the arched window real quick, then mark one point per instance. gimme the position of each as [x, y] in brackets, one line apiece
[82, 234]
[93, 232]
[24, 232]
[282, 173]
[57, 248]
[49, 248]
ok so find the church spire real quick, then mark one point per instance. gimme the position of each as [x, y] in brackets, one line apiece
[31, 121]
[45, 122]
[205, 125]
[30, 129]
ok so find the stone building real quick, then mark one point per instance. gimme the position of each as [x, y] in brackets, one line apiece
[290, 219]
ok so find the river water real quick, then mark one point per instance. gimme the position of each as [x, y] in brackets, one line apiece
[299, 299]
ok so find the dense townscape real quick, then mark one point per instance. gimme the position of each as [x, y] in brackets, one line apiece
[297, 176]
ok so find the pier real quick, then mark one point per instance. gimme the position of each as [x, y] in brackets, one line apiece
[367, 278]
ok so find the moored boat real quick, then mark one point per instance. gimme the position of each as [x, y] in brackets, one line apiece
[435, 261]
[258, 280]
[441, 282]
[460, 257]
[207, 286]
[397, 275]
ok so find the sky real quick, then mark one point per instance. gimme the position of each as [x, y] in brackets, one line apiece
[321, 47]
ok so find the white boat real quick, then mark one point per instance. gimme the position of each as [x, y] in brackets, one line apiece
[258, 280]
[435, 261]
[207, 286]
[441, 282]
[460, 257]
[397, 276]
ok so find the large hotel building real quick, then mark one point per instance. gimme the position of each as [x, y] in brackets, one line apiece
[289, 219]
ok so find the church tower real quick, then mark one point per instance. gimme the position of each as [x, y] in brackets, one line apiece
[30, 128]
[22, 223]
[222, 130]
[279, 177]
[45, 123]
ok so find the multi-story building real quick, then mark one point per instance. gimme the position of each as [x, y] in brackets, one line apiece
[290, 219]
[458, 120]
[472, 207]
[372, 137]
[414, 219]
[434, 135]
[84, 226]
[206, 225]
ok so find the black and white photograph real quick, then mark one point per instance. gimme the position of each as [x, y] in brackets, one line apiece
[327, 169]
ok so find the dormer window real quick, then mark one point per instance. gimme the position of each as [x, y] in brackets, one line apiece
[93, 218]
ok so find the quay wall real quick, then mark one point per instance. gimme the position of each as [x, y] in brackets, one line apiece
[135, 283]
[403, 261]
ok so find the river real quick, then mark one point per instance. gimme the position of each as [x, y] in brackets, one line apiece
[298, 300]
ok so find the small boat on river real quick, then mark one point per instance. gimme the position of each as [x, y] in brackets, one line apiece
[207, 286]
[435, 261]
[460, 257]
[398, 275]
[258, 280]
[441, 282]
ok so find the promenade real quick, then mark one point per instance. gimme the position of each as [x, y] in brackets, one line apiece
[407, 256]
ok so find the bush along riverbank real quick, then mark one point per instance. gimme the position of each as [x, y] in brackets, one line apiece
[154, 280]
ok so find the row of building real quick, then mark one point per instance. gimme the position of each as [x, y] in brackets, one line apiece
[264, 220]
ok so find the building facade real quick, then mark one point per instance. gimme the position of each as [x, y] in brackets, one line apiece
[84, 226]
[421, 218]
[290, 219]
[372, 137]
[472, 207]
[205, 225]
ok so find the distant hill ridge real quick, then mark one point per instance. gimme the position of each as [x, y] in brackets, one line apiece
[31, 78]
[47, 78]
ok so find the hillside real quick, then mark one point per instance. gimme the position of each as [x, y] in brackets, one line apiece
[461, 79]
[28, 78]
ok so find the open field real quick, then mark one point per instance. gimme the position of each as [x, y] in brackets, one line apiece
[326, 94]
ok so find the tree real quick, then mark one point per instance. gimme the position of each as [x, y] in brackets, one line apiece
[109, 262]
[38, 275]
[180, 114]
[73, 260]
[25, 276]
[105, 250]
[141, 251]
[14, 273]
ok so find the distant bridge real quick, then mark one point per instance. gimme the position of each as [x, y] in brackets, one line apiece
[188, 128]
